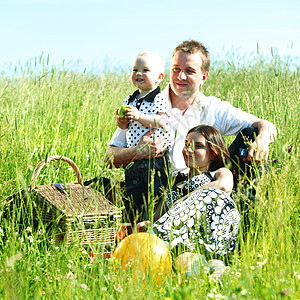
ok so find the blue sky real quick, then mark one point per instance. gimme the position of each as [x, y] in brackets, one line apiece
[112, 32]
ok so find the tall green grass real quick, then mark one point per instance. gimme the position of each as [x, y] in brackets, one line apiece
[49, 110]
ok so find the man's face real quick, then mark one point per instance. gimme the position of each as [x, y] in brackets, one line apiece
[186, 74]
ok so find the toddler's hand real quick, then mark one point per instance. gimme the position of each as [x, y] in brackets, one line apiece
[122, 122]
[132, 113]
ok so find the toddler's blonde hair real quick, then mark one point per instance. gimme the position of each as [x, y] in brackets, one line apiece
[160, 62]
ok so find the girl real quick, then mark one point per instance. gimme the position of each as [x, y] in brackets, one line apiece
[199, 213]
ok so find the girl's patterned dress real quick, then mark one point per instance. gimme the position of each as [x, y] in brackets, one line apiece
[207, 219]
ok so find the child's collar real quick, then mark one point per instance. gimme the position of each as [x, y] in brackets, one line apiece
[148, 97]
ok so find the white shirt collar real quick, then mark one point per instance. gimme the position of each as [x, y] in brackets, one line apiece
[200, 101]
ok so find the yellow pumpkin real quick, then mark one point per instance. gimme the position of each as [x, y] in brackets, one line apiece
[146, 254]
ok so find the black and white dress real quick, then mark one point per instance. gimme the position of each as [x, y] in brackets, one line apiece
[207, 219]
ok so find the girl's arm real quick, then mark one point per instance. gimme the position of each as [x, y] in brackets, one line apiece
[223, 180]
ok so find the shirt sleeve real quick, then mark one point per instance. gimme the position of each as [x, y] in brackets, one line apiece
[119, 138]
[229, 119]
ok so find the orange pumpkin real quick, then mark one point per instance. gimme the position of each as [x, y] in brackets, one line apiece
[146, 254]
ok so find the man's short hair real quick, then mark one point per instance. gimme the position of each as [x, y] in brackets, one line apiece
[195, 47]
[160, 62]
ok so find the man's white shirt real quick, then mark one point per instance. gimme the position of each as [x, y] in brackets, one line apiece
[204, 110]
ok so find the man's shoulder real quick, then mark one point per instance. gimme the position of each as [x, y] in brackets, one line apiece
[165, 91]
[202, 101]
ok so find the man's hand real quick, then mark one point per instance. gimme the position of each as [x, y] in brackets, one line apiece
[117, 157]
[259, 149]
[146, 148]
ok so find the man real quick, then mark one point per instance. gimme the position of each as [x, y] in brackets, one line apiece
[189, 71]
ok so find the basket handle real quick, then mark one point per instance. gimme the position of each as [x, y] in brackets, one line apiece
[41, 164]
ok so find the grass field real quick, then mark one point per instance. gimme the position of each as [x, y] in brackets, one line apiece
[51, 111]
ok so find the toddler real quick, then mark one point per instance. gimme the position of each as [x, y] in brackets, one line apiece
[146, 109]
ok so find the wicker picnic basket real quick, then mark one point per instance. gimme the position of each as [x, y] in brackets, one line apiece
[73, 212]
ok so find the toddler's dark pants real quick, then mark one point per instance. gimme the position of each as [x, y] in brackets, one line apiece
[145, 181]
